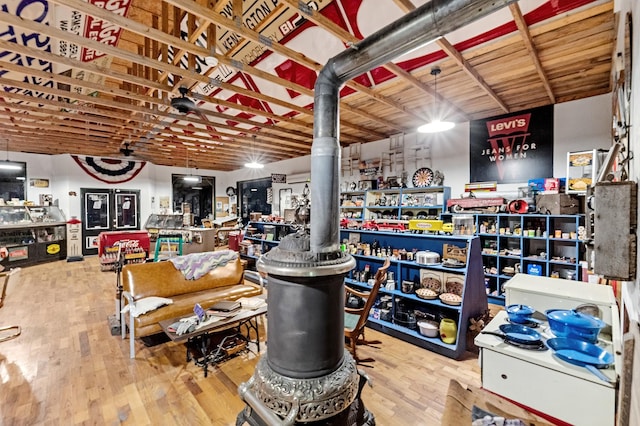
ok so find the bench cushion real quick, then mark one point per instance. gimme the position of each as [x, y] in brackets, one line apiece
[164, 280]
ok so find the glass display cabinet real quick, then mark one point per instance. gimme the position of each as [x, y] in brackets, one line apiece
[195, 240]
[31, 234]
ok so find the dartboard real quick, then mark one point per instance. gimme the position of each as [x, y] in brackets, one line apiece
[422, 177]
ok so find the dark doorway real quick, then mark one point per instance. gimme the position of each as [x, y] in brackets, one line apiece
[197, 192]
[253, 197]
[107, 210]
[12, 178]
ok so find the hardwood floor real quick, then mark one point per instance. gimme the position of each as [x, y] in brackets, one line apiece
[67, 369]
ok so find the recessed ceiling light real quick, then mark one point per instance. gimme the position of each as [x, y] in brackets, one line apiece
[212, 61]
[254, 165]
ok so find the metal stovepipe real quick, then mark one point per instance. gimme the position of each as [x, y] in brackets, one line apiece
[415, 29]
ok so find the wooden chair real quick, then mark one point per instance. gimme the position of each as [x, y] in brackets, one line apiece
[355, 320]
[16, 328]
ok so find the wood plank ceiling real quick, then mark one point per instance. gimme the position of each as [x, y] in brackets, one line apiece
[93, 77]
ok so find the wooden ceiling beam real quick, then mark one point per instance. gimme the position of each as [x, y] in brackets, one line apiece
[186, 46]
[405, 5]
[344, 35]
[59, 145]
[204, 13]
[36, 53]
[126, 115]
[453, 53]
[523, 28]
[81, 129]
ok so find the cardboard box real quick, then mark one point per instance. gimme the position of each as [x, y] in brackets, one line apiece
[558, 204]
[548, 185]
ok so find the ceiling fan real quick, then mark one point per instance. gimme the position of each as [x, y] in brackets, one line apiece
[130, 154]
[183, 104]
[125, 150]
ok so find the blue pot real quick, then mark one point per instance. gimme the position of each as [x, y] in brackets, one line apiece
[520, 314]
[574, 325]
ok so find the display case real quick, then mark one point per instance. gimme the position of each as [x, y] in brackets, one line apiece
[195, 240]
[31, 234]
[582, 169]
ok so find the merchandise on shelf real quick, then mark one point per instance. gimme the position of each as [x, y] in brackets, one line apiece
[416, 291]
[535, 244]
[380, 209]
[261, 236]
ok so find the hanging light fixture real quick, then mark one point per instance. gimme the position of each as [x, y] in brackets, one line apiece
[190, 177]
[8, 165]
[436, 125]
[253, 163]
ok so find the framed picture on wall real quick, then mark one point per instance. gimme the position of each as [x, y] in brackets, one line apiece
[284, 200]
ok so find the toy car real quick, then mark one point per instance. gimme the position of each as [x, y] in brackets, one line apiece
[473, 204]
[384, 225]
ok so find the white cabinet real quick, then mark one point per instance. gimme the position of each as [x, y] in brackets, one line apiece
[574, 399]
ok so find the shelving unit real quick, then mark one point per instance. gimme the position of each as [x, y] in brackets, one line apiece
[352, 206]
[394, 204]
[544, 245]
[264, 236]
[474, 298]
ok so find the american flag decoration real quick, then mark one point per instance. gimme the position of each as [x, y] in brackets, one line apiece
[109, 170]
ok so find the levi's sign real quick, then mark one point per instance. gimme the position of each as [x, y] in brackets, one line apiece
[512, 148]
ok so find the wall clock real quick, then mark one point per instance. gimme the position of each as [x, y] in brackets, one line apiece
[231, 191]
[422, 177]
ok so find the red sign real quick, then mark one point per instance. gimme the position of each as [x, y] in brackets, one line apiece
[18, 253]
[103, 31]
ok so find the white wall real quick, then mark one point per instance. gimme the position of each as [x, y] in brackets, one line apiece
[583, 124]
[578, 125]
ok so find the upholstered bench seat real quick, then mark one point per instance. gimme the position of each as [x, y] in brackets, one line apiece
[163, 279]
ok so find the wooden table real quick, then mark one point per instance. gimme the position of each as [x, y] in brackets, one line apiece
[206, 345]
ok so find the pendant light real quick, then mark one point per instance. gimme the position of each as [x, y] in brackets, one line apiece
[253, 163]
[190, 177]
[436, 125]
[8, 165]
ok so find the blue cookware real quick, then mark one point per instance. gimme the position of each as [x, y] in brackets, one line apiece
[574, 324]
[583, 354]
[517, 333]
[520, 314]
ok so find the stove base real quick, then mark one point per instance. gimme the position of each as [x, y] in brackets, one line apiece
[355, 415]
[333, 399]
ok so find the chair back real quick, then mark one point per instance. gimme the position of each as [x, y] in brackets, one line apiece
[379, 278]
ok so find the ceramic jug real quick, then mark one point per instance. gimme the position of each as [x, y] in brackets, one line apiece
[448, 331]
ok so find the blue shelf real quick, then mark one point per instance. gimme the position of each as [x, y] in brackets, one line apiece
[474, 297]
[530, 245]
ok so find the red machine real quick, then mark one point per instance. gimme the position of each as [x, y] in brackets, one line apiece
[134, 246]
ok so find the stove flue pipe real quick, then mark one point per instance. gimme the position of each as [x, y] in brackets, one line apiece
[417, 28]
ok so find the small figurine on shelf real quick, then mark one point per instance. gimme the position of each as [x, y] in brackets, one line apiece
[438, 178]
[303, 211]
